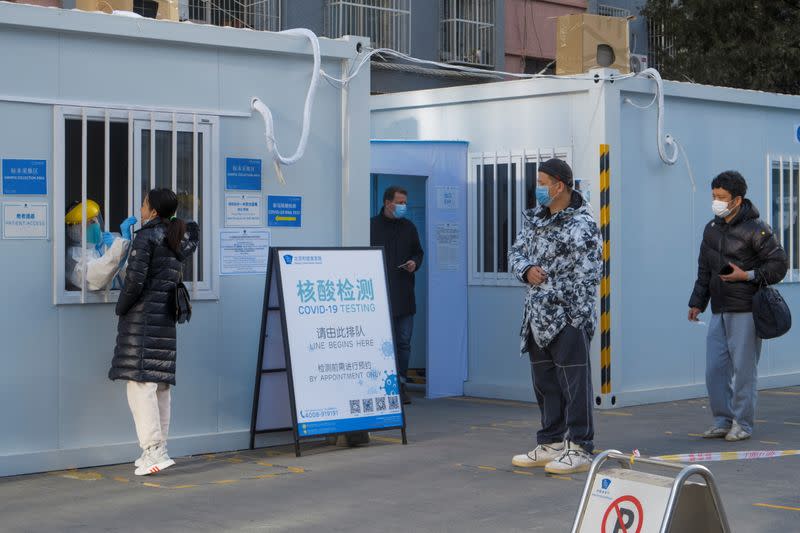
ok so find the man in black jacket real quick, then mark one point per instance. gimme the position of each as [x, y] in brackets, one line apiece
[403, 253]
[739, 252]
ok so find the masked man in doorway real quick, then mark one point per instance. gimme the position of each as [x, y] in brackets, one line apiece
[400, 241]
[738, 253]
[558, 254]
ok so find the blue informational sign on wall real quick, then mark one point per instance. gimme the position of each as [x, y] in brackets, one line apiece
[242, 174]
[285, 211]
[24, 176]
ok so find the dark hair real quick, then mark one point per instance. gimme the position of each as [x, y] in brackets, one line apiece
[731, 181]
[388, 194]
[165, 203]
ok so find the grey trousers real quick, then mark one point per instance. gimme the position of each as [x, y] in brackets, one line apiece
[732, 354]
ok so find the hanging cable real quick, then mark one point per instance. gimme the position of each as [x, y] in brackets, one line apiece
[269, 126]
[362, 59]
[668, 140]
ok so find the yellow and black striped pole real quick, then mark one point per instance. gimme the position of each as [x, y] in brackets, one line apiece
[605, 284]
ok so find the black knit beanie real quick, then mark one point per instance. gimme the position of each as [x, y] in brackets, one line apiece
[558, 169]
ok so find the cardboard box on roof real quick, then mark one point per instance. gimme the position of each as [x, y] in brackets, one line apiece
[578, 38]
[167, 9]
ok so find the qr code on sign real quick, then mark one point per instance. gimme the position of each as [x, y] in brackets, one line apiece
[380, 404]
[394, 402]
[355, 407]
[368, 405]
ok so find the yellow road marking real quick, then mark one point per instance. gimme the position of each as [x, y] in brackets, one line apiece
[122, 479]
[387, 439]
[487, 468]
[266, 476]
[486, 427]
[296, 470]
[780, 393]
[489, 401]
[262, 463]
[154, 485]
[515, 424]
[667, 433]
[522, 472]
[563, 478]
[768, 442]
[235, 460]
[225, 481]
[82, 476]
[615, 413]
[183, 487]
[782, 507]
[695, 434]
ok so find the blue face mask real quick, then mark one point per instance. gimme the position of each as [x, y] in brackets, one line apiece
[93, 234]
[400, 210]
[543, 195]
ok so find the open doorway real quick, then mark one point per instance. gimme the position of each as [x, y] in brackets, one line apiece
[417, 214]
[435, 175]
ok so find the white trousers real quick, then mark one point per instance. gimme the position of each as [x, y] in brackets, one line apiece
[150, 406]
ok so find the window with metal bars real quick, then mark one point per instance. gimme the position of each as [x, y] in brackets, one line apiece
[783, 188]
[660, 43]
[467, 32]
[252, 14]
[111, 156]
[612, 11]
[502, 185]
[386, 22]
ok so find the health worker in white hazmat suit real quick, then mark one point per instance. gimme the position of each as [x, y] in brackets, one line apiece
[105, 252]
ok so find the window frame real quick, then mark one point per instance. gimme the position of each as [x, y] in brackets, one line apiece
[208, 125]
[271, 17]
[455, 31]
[783, 163]
[476, 160]
[346, 17]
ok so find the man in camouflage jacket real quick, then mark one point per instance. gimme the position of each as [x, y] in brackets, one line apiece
[558, 254]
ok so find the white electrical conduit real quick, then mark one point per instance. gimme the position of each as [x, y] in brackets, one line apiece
[500, 74]
[668, 140]
[269, 126]
[266, 114]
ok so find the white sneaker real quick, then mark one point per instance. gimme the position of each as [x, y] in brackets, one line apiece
[154, 461]
[140, 461]
[539, 456]
[737, 433]
[572, 460]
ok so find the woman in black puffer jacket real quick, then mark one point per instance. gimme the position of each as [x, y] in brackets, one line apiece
[146, 339]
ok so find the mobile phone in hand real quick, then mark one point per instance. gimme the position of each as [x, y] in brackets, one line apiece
[727, 269]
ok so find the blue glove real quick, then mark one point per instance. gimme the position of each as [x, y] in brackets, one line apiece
[125, 227]
[108, 239]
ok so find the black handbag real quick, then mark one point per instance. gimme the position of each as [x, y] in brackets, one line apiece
[182, 303]
[770, 313]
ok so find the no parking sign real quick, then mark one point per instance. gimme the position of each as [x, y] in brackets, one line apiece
[624, 515]
[626, 501]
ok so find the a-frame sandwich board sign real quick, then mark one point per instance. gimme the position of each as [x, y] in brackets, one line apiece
[326, 358]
